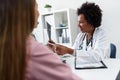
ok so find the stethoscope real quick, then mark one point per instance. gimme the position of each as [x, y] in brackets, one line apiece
[87, 43]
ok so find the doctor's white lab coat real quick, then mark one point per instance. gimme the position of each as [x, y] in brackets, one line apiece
[96, 51]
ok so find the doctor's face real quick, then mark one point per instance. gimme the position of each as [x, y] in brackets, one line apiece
[83, 24]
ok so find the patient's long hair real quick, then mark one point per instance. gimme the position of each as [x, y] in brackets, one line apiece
[17, 20]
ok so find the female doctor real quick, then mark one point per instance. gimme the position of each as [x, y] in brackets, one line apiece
[92, 43]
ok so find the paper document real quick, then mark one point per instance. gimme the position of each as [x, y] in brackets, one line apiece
[49, 30]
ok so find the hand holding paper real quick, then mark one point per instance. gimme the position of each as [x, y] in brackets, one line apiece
[52, 45]
[57, 48]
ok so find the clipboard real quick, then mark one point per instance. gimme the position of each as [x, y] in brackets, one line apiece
[92, 67]
[97, 65]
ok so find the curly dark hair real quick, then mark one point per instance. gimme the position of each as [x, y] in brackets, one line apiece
[92, 13]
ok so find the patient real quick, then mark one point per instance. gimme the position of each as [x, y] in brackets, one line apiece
[92, 43]
[21, 56]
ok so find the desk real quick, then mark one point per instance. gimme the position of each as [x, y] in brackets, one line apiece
[109, 73]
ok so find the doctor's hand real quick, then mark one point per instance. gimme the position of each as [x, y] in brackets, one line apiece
[51, 45]
[59, 49]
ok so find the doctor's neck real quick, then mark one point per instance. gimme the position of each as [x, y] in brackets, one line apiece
[90, 33]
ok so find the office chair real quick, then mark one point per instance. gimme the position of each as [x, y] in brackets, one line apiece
[113, 50]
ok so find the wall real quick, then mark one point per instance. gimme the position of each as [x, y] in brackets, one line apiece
[110, 21]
